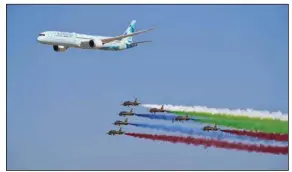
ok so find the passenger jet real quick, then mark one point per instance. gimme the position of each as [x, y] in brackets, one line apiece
[61, 41]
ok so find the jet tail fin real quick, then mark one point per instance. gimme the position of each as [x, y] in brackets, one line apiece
[130, 29]
[126, 120]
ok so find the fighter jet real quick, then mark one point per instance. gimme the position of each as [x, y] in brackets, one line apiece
[115, 132]
[154, 110]
[208, 128]
[119, 123]
[181, 118]
[130, 103]
[125, 113]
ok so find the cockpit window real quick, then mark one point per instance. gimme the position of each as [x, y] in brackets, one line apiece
[41, 34]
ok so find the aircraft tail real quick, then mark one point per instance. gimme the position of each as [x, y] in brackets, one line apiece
[130, 29]
[126, 120]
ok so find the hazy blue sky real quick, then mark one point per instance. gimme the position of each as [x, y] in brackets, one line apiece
[60, 105]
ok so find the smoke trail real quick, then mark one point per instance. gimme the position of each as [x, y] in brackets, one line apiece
[268, 126]
[223, 111]
[215, 143]
[229, 117]
[261, 135]
[199, 132]
[263, 126]
[157, 116]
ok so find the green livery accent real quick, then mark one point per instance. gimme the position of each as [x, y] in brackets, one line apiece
[241, 122]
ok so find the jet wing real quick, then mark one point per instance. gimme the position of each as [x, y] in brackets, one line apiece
[107, 40]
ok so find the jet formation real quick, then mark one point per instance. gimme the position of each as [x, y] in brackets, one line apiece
[153, 111]
[124, 114]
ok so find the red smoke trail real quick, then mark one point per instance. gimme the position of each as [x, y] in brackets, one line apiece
[261, 135]
[216, 143]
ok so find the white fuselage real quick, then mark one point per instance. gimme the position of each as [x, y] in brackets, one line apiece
[76, 40]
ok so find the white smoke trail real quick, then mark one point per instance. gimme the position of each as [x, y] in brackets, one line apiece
[223, 111]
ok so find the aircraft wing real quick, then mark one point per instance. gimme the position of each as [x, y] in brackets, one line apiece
[107, 40]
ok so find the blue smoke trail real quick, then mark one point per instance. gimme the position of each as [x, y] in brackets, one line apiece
[163, 117]
[150, 116]
[196, 131]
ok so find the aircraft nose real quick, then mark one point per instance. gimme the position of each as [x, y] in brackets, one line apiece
[38, 39]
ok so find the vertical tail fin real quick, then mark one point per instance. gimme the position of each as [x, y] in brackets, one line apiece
[126, 120]
[130, 29]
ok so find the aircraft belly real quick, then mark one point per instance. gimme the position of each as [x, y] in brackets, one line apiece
[70, 42]
[113, 47]
[82, 43]
[64, 42]
[110, 48]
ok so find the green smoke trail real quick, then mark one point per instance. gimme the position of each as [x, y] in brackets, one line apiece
[241, 122]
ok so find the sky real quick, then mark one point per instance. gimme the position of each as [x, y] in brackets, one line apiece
[60, 105]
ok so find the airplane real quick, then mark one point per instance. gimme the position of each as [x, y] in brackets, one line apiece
[208, 128]
[125, 113]
[154, 110]
[61, 41]
[119, 123]
[181, 118]
[129, 103]
[115, 132]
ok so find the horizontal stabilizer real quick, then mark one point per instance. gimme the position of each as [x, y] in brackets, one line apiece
[141, 42]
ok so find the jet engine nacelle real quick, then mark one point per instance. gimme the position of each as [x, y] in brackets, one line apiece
[60, 48]
[95, 43]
